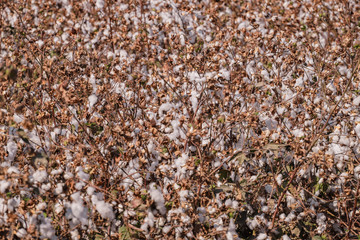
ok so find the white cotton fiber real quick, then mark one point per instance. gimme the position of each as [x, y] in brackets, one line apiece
[100, 4]
[11, 148]
[46, 229]
[40, 176]
[92, 100]
[262, 236]
[104, 208]
[357, 130]
[194, 100]
[41, 206]
[4, 185]
[13, 169]
[285, 237]
[77, 211]
[181, 161]
[158, 198]
[13, 203]
[164, 108]
[58, 208]
[356, 101]
[21, 233]
[59, 189]
[231, 233]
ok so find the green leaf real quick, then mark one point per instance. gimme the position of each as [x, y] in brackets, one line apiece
[169, 204]
[124, 233]
[316, 238]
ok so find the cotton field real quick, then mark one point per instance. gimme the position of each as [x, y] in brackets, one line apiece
[179, 119]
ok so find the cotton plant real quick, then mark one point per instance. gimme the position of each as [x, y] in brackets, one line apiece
[179, 120]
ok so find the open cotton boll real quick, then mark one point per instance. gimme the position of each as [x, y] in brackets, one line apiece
[321, 222]
[11, 148]
[81, 174]
[285, 237]
[262, 236]
[148, 221]
[13, 203]
[181, 161]
[158, 198]
[290, 217]
[357, 130]
[59, 189]
[105, 210]
[194, 100]
[357, 172]
[100, 4]
[356, 101]
[77, 212]
[41, 206]
[13, 169]
[40, 176]
[68, 175]
[58, 208]
[46, 229]
[21, 233]
[165, 107]
[231, 233]
[92, 100]
[4, 185]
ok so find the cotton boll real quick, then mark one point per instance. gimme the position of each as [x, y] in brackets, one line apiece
[75, 234]
[157, 197]
[57, 171]
[252, 223]
[268, 188]
[321, 222]
[279, 179]
[265, 209]
[79, 185]
[58, 208]
[68, 175]
[262, 236]
[282, 216]
[100, 4]
[356, 101]
[357, 172]
[41, 206]
[46, 229]
[77, 210]
[105, 210]
[21, 233]
[13, 169]
[211, 210]
[166, 229]
[13, 203]
[164, 108]
[11, 148]
[4, 185]
[228, 203]
[59, 188]
[90, 191]
[290, 217]
[46, 187]
[285, 237]
[183, 194]
[357, 130]
[231, 233]
[92, 100]
[290, 200]
[40, 176]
